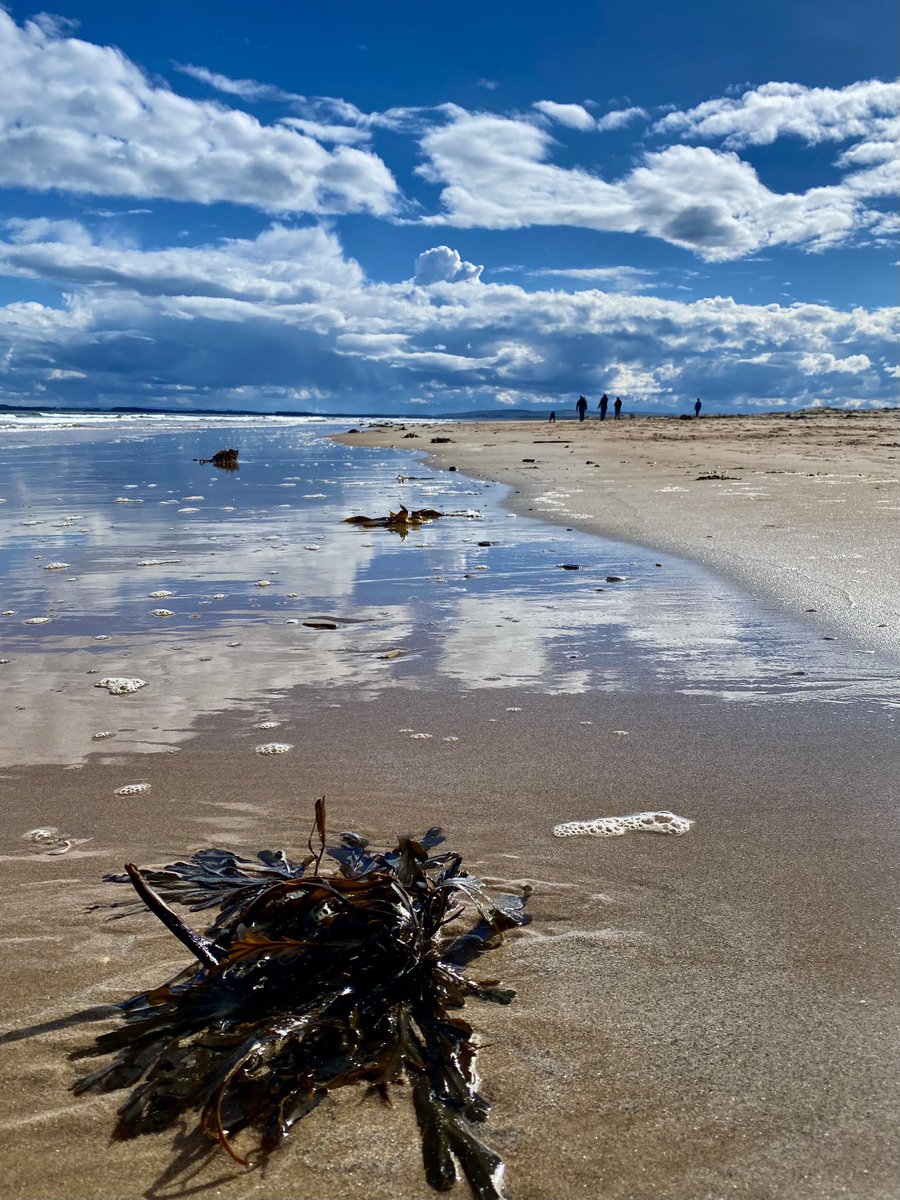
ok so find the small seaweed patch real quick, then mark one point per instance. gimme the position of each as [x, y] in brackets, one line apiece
[306, 982]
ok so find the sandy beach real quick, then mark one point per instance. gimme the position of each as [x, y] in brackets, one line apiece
[802, 508]
[697, 1017]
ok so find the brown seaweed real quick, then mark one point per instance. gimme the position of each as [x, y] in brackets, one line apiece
[306, 982]
[400, 522]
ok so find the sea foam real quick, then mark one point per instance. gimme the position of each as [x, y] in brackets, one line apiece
[646, 822]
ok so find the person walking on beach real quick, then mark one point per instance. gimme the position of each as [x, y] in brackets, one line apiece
[617, 409]
[552, 418]
[603, 406]
[697, 407]
[581, 406]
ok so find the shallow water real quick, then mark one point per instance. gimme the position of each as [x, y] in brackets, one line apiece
[139, 562]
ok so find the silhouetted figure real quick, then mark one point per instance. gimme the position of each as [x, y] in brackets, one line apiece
[697, 407]
[581, 406]
[552, 418]
[603, 406]
[617, 409]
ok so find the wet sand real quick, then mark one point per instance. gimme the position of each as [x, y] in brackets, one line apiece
[697, 1016]
[701, 1016]
[803, 508]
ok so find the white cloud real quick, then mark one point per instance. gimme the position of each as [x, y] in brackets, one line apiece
[286, 319]
[825, 364]
[575, 116]
[247, 89]
[496, 175]
[617, 279]
[440, 264]
[762, 114]
[83, 118]
[621, 117]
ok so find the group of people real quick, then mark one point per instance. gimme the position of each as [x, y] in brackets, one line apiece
[581, 407]
[582, 404]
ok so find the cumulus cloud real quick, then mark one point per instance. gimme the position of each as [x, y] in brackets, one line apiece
[621, 117]
[83, 118]
[440, 264]
[286, 319]
[496, 175]
[762, 114]
[575, 116]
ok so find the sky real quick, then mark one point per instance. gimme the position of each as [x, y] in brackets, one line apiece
[427, 209]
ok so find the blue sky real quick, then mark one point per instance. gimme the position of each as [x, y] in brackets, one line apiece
[416, 209]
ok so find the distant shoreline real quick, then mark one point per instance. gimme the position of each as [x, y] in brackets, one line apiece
[518, 414]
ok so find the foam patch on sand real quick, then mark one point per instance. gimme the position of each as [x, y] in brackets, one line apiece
[57, 566]
[646, 822]
[274, 748]
[132, 789]
[161, 595]
[162, 612]
[119, 685]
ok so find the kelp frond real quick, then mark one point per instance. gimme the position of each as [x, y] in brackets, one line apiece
[306, 982]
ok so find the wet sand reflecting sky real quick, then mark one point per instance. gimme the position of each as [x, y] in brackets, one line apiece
[96, 520]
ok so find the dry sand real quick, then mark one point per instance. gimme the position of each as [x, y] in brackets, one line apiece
[802, 508]
[698, 1017]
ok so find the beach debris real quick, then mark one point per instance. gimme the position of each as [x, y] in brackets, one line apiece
[132, 789]
[307, 982]
[389, 654]
[615, 578]
[128, 500]
[119, 685]
[321, 624]
[227, 460]
[161, 612]
[268, 725]
[102, 735]
[161, 595]
[263, 583]
[274, 748]
[48, 839]
[37, 620]
[420, 737]
[714, 475]
[57, 566]
[644, 822]
[157, 562]
[440, 440]
[570, 566]
[400, 522]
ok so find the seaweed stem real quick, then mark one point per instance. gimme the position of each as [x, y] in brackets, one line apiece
[197, 945]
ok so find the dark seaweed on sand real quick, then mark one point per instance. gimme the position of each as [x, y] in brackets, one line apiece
[306, 982]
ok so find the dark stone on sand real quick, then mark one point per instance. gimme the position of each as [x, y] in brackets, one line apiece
[451, 468]
[615, 579]
[321, 624]
[570, 566]
[441, 439]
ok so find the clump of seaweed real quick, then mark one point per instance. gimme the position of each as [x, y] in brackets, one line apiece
[307, 982]
[400, 522]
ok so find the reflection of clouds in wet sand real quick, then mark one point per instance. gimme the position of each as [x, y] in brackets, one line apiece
[53, 708]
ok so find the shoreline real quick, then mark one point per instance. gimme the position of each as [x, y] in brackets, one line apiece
[800, 510]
